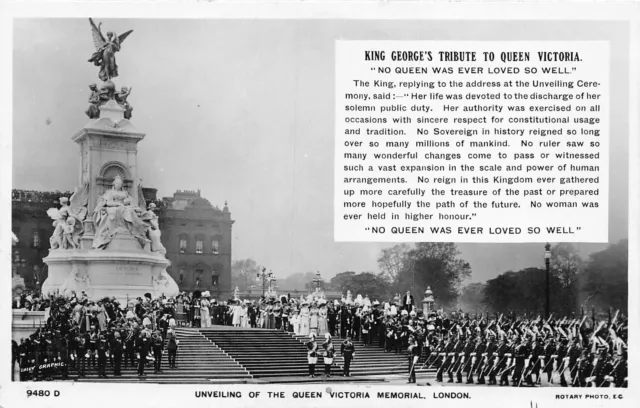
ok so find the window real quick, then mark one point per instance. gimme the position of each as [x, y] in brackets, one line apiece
[214, 247]
[197, 281]
[36, 239]
[182, 275]
[199, 273]
[199, 246]
[183, 245]
[214, 280]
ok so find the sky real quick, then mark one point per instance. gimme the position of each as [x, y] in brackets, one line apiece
[243, 110]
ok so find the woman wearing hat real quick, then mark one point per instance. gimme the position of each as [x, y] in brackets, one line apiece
[329, 352]
[323, 326]
[205, 316]
[304, 319]
[312, 355]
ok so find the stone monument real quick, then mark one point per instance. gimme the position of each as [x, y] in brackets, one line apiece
[106, 241]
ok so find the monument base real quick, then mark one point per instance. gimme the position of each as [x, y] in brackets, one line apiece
[124, 270]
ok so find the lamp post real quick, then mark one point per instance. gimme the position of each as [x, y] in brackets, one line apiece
[317, 281]
[428, 301]
[547, 260]
[264, 277]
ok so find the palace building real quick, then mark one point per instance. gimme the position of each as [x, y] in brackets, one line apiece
[196, 235]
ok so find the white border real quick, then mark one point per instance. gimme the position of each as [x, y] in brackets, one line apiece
[13, 394]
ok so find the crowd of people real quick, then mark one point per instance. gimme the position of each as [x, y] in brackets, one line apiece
[78, 333]
[504, 350]
[576, 352]
[38, 196]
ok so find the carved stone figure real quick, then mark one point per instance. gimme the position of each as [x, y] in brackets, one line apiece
[77, 282]
[68, 219]
[121, 98]
[153, 230]
[115, 214]
[93, 112]
[106, 48]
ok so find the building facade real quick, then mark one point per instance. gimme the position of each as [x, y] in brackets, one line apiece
[196, 234]
[33, 228]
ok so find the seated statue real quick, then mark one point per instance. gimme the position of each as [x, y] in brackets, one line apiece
[114, 214]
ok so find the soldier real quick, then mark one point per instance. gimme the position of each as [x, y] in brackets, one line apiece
[102, 351]
[456, 357]
[414, 356]
[157, 343]
[521, 354]
[534, 366]
[487, 359]
[142, 346]
[117, 347]
[82, 351]
[509, 363]
[129, 347]
[329, 352]
[172, 348]
[312, 355]
[470, 359]
[445, 353]
[347, 351]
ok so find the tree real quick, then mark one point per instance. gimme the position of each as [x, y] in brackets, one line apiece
[243, 273]
[392, 261]
[472, 297]
[341, 281]
[435, 264]
[365, 284]
[605, 281]
[566, 265]
[523, 291]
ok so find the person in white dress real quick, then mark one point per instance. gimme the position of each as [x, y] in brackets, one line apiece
[244, 316]
[205, 315]
[237, 310]
[304, 319]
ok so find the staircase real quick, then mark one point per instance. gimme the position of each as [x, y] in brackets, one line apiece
[265, 353]
[198, 361]
[369, 360]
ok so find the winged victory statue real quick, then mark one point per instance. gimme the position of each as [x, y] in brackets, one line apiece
[106, 48]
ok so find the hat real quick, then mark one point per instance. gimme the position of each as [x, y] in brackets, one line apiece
[327, 336]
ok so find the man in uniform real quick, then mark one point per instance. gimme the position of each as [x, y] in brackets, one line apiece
[414, 356]
[142, 345]
[117, 347]
[157, 344]
[102, 350]
[347, 351]
[82, 350]
[455, 356]
[172, 348]
[130, 348]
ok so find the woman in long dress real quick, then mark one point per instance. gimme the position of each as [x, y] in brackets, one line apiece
[304, 319]
[272, 317]
[102, 317]
[196, 312]
[244, 316]
[323, 325]
[236, 315]
[295, 321]
[205, 316]
[313, 319]
[261, 314]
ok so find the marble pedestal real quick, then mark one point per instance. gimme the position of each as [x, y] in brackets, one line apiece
[123, 270]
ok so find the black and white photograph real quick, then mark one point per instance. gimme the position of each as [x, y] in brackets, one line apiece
[172, 194]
